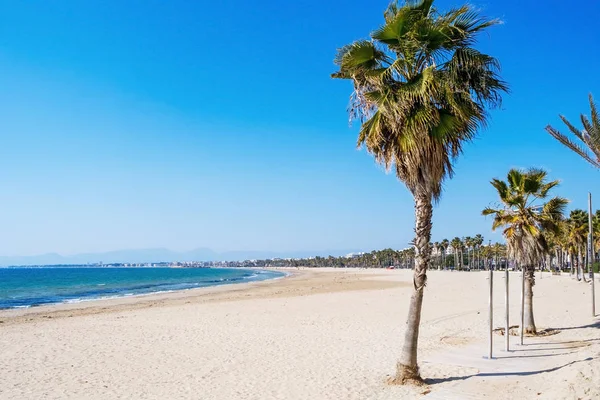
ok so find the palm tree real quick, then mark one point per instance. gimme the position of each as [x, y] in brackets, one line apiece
[436, 247]
[445, 243]
[456, 246]
[487, 252]
[411, 256]
[421, 91]
[525, 213]
[562, 241]
[577, 232]
[468, 244]
[499, 251]
[589, 135]
[441, 250]
[478, 241]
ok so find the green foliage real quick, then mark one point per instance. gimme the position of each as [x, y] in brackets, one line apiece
[526, 213]
[420, 90]
[589, 135]
[385, 258]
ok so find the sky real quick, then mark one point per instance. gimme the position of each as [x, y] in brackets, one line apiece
[146, 124]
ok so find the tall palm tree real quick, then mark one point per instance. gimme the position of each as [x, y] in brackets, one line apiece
[421, 91]
[499, 251]
[525, 213]
[487, 252]
[589, 135]
[456, 246]
[468, 241]
[577, 232]
[478, 241]
[563, 246]
[441, 250]
[445, 243]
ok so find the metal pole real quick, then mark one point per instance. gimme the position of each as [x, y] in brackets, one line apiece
[491, 310]
[522, 303]
[507, 326]
[591, 253]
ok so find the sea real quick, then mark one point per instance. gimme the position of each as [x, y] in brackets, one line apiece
[23, 287]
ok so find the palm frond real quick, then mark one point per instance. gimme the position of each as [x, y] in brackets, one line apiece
[571, 145]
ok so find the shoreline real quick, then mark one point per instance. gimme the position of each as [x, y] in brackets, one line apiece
[83, 300]
[226, 292]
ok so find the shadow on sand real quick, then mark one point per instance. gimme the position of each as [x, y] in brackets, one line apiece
[595, 324]
[490, 374]
[538, 355]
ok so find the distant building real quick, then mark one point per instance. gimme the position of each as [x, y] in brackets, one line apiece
[354, 255]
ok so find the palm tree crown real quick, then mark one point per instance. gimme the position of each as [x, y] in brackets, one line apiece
[420, 90]
[589, 135]
[524, 214]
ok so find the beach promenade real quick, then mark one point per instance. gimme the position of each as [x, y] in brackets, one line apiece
[318, 334]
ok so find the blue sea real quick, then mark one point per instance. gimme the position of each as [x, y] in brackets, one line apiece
[35, 286]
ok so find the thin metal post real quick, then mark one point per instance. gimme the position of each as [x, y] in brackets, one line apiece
[522, 303]
[507, 326]
[591, 253]
[491, 310]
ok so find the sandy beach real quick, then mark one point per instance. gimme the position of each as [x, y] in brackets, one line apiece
[317, 334]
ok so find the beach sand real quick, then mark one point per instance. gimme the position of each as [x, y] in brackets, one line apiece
[318, 334]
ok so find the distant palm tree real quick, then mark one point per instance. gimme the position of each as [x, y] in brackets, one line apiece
[445, 243]
[589, 135]
[577, 233]
[421, 91]
[487, 252]
[468, 241]
[525, 216]
[441, 250]
[499, 251]
[457, 245]
[478, 241]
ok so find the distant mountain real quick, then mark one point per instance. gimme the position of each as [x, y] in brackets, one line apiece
[159, 255]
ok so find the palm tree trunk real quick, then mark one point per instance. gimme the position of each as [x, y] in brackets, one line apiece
[407, 368]
[529, 323]
[444, 266]
[579, 270]
[583, 259]
[572, 262]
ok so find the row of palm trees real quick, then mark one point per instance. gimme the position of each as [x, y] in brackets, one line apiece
[566, 248]
[421, 92]
[472, 245]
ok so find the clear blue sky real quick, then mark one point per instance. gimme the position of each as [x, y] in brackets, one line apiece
[185, 124]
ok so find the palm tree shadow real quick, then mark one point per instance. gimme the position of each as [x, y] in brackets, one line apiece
[490, 374]
[538, 355]
[595, 324]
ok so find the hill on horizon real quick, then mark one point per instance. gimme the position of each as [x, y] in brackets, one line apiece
[159, 255]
